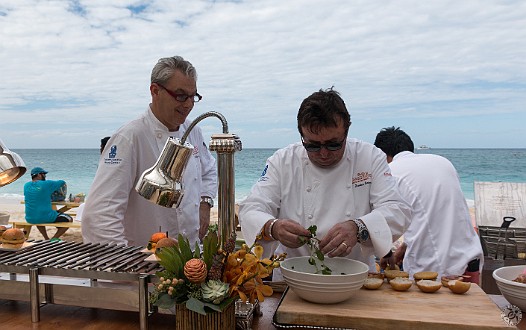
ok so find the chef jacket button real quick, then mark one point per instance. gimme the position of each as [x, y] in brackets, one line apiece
[159, 135]
[349, 185]
[310, 216]
[309, 189]
[195, 178]
[348, 214]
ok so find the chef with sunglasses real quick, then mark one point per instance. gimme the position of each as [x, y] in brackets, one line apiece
[341, 185]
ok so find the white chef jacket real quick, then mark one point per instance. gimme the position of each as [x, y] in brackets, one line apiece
[359, 186]
[441, 236]
[115, 212]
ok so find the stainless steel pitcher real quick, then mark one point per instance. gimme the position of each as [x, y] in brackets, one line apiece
[162, 183]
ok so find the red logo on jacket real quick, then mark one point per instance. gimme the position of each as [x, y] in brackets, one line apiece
[362, 176]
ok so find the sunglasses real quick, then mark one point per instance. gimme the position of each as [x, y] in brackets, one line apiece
[316, 147]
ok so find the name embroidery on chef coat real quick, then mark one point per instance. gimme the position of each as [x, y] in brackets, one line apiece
[362, 179]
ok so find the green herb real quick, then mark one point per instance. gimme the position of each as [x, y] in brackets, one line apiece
[315, 252]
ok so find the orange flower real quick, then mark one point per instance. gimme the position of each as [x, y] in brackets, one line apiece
[195, 270]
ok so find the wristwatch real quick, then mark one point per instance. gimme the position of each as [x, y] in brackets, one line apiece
[208, 200]
[363, 233]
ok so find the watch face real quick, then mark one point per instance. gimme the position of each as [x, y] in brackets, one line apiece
[364, 235]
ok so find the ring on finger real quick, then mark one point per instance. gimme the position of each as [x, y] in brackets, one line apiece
[345, 244]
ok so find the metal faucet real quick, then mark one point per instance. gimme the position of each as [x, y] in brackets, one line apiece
[162, 183]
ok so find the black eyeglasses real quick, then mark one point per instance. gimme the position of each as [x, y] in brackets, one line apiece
[316, 147]
[182, 97]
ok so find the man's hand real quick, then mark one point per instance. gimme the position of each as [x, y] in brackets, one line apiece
[287, 231]
[388, 261]
[399, 254]
[204, 219]
[340, 239]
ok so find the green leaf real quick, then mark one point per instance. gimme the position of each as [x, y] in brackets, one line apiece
[164, 301]
[170, 259]
[224, 304]
[320, 255]
[210, 246]
[213, 307]
[184, 247]
[203, 308]
[302, 239]
[312, 261]
[197, 251]
[196, 305]
[313, 230]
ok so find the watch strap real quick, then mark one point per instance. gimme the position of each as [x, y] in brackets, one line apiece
[362, 235]
[208, 200]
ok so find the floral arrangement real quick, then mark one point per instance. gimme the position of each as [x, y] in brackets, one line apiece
[209, 280]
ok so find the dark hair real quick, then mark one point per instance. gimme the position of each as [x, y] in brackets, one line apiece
[103, 142]
[393, 141]
[323, 109]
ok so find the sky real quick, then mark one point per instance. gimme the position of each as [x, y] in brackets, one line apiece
[452, 74]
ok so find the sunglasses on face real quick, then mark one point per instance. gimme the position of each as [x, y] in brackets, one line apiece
[316, 147]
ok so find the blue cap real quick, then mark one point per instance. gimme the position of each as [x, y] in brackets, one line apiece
[38, 170]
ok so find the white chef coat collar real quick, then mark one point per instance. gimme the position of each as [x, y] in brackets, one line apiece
[160, 128]
[401, 154]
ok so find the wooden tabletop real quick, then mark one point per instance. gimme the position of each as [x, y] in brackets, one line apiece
[17, 315]
[66, 206]
[386, 308]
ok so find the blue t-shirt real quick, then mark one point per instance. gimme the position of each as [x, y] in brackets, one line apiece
[37, 195]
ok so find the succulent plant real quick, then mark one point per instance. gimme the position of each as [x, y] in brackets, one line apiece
[214, 291]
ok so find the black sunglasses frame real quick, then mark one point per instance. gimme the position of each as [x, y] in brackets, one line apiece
[316, 147]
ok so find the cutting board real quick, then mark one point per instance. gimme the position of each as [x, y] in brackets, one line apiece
[388, 309]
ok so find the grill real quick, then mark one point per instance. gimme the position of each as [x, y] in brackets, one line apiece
[79, 274]
[88, 275]
[503, 243]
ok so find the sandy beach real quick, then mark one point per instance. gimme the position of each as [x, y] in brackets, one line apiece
[16, 213]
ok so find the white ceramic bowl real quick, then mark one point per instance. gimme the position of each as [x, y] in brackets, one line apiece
[325, 286]
[357, 282]
[347, 277]
[514, 292]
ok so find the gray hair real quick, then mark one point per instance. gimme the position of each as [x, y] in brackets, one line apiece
[166, 67]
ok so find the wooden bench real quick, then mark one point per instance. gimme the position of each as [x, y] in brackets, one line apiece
[26, 227]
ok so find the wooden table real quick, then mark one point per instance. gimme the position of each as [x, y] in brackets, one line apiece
[17, 315]
[64, 206]
[386, 308]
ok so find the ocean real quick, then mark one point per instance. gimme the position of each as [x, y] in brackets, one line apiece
[78, 166]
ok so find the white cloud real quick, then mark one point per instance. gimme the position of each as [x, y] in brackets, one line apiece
[80, 69]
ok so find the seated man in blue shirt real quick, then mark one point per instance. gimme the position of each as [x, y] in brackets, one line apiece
[37, 195]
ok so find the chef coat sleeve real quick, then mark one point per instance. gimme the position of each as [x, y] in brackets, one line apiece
[262, 205]
[107, 201]
[391, 214]
[209, 171]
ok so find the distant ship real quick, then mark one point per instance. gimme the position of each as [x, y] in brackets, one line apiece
[423, 147]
